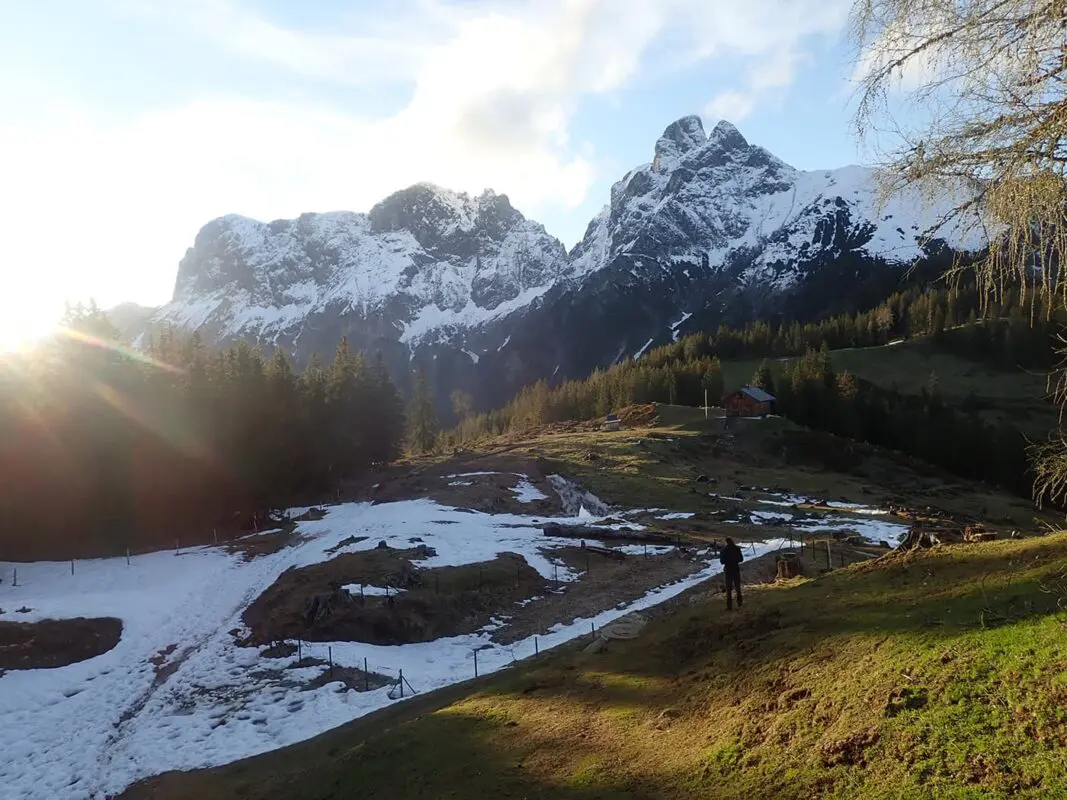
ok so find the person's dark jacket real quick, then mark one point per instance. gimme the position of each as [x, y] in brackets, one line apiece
[731, 558]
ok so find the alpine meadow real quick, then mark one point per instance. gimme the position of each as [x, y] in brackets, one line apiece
[450, 422]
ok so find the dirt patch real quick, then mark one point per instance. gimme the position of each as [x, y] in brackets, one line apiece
[353, 679]
[848, 751]
[267, 543]
[56, 643]
[310, 603]
[492, 484]
[605, 583]
[346, 542]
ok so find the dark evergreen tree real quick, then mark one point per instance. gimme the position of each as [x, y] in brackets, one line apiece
[423, 416]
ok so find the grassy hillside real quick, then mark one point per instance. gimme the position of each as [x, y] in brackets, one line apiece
[936, 674]
[1016, 394]
[941, 674]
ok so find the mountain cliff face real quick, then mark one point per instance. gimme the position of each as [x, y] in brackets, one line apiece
[713, 229]
[422, 259]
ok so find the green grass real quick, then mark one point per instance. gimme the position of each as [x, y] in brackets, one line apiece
[941, 674]
[1015, 395]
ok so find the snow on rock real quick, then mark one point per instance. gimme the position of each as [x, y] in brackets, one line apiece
[676, 325]
[575, 499]
[705, 198]
[424, 259]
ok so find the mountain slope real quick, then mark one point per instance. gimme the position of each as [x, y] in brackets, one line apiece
[421, 258]
[713, 229]
[705, 197]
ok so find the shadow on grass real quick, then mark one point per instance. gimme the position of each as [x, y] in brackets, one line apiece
[847, 685]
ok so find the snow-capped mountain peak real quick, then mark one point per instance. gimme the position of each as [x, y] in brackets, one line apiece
[712, 228]
[422, 258]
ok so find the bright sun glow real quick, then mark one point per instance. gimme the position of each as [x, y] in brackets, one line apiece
[21, 328]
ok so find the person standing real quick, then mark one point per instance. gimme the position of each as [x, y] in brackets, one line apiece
[731, 558]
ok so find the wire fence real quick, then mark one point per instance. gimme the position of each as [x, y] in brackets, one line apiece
[364, 676]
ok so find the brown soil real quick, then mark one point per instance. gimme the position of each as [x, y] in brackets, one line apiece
[606, 583]
[308, 603]
[449, 484]
[56, 643]
[353, 679]
[265, 544]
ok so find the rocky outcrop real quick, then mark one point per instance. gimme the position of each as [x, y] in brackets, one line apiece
[714, 229]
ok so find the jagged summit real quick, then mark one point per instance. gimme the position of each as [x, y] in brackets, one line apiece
[727, 136]
[715, 228]
[680, 137]
[685, 139]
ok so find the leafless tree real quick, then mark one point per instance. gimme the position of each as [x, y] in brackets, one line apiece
[972, 95]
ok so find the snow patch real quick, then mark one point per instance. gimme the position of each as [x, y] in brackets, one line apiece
[526, 492]
[372, 591]
[217, 702]
[643, 348]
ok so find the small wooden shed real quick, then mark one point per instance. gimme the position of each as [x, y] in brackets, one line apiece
[748, 401]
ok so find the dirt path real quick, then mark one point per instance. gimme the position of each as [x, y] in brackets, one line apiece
[605, 583]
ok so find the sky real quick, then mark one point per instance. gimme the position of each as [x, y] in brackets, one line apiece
[126, 125]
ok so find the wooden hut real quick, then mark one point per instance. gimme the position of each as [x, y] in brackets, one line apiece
[748, 401]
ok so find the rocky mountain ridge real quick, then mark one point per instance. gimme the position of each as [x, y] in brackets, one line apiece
[712, 229]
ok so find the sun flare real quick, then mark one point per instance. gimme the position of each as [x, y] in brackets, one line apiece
[20, 329]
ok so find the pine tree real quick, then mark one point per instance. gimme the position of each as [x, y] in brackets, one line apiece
[462, 404]
[762, 378]
[712, 381]
[386, 430]
[422, 415]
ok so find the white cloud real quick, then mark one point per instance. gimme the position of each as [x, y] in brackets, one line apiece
[105, 206]
[770, 38]
[733, 106]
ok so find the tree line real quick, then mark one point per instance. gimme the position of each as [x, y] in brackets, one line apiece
[811, 393]
[106, 447]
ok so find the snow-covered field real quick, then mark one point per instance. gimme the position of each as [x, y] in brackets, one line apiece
[92, 728]
[831, 516]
